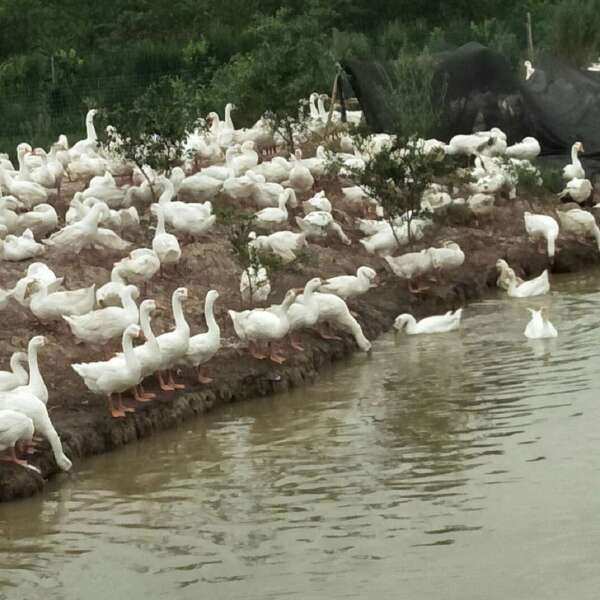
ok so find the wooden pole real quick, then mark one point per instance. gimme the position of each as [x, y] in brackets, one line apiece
[333, 97]
[529, 37]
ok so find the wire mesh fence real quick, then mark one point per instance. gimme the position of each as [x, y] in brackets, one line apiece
[42, 113]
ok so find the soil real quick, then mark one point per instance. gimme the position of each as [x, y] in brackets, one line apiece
[82, 419]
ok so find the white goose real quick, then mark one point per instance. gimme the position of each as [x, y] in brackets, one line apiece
[506, 275]
[200, 187]
[39, 272]
[527, 149]
[581, 223]
[304, 313]
[99, 326]
[276, 170]
[540, 228]
[578, 190]
[271, 217]
[318, 202]
[526, 289]
[240, 188]
[53, 306]
[574, 170]
[40, 221]
[110, 293]
[187, 218]
[246, 160]
[448, 257]
[539, 327]
[266, 193]
[318, 223]
[203, 346]
[222, 172]
[87, 233]
[114, 376]
[17, 248]
[165, 245]
[27, 404]
[17, 375]
[411, 266]
[174, 344]
[8, 217]
[27, 192]
[89, 144]
[148, 354]
[142, 263]
[36, 384]
[437, 324]
[349, 286]
[334, 311]
[15, 428]
[299, 178]
[264, 325]
[280, 243]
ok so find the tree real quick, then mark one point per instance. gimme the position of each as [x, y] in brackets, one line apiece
[284, 65]
[398, 173]
[153, 131]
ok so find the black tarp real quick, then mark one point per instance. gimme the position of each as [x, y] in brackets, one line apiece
[558, 105]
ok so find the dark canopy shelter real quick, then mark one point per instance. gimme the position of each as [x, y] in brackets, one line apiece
[558, 105]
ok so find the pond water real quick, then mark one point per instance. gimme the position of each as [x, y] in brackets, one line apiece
[455, 466]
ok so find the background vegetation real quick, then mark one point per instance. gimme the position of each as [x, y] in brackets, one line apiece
[59, 57]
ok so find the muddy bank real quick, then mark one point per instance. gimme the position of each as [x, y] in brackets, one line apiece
[86, 428]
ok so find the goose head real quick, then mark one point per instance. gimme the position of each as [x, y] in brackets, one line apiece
[132, 331]
[367, 272]
[313, 284]
[289, 298]
[401, 321]
[180, 294]
[39, 341]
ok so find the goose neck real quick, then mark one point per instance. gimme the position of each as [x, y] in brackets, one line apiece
[128, 302]
[213, 326]
[89, 127]
[160, 226]
[16, 366]
[130, 357]
[575, 155]
[145, 322]
[35, 377]
[180, 322]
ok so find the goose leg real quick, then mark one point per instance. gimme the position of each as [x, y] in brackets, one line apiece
[122, 406]
[295, 342]
[138, 394]
[274, 356]
[145, 394]
[203, 376]
[176, 386]
[416, 290]
[115, 412]
[165, 387]
[324, 334]
[254, 351]
[12, 457]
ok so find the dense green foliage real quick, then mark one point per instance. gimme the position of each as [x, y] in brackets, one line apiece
[58, 57]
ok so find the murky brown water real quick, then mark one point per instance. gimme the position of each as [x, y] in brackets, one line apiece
[460, 466]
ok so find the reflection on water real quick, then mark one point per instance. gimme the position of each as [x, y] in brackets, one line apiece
[438, 466]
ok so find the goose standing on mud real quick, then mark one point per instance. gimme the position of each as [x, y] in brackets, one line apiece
[540, 228]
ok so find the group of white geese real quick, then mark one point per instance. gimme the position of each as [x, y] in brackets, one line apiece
[104, 212]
